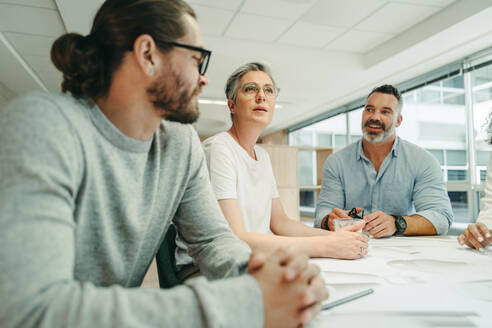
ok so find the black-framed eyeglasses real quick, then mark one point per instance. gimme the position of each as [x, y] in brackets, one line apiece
[204, 60]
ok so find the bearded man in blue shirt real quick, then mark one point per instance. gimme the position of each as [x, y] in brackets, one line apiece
[398, 184]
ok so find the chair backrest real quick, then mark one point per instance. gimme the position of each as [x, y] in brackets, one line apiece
[165, 260]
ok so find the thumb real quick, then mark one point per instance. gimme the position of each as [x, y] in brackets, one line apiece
[256, 262]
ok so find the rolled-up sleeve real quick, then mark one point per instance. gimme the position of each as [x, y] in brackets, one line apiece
[332, 194]
[430, 197]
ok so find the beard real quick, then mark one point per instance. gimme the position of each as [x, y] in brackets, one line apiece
[381, 136]
[172, 100]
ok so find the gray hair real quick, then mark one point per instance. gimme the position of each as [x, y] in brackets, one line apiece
[233, 81]
[389, 90]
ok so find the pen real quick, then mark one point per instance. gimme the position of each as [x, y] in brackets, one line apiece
[347, 299]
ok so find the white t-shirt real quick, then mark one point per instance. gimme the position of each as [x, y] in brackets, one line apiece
[235, 175]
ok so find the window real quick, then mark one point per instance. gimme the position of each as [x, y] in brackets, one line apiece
[438, 154]
[301, 138]
[450, 118]
[459, 203]
[481, 81]
[306, 168]
[307, 198]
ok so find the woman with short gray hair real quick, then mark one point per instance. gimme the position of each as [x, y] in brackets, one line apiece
[243, 182]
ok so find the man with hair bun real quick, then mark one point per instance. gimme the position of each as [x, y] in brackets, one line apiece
[91, 180]
[398, 184]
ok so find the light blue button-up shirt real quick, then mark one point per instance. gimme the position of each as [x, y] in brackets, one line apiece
[409, 182]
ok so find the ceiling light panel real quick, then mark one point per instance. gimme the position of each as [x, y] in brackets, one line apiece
[338, 13]
[212, 21]
[277, 8]
[257, 28]
[38, 21]
[359, 41]
[396, 17]
[309, 35]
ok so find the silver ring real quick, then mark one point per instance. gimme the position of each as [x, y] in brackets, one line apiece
[362, 250]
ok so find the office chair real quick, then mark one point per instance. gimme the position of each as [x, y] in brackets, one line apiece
[165, 260]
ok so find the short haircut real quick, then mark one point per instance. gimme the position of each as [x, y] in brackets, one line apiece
[89, 62]
[232, 84]
[389, 90]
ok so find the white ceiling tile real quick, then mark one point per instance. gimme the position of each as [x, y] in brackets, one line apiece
[78, 15]
[52, 82]
[41, 64]
[258, 28]
[305, 34]
[338, 13]
[222, 4]
[32, 3]
[437, 3]
[30, 20]
[396, 17]
[212, 21]
[359, 41]
[27, 44]
[286, 9]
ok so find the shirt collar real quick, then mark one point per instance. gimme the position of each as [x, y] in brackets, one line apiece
[394, 149]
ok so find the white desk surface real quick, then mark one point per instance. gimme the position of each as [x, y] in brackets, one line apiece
[417, 282]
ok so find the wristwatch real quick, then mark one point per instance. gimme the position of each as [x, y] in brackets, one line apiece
[400, 224]
[324, 223]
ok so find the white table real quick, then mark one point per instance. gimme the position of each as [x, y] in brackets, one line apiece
[418, 282]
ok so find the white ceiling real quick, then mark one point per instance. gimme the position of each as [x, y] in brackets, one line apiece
[324, 53]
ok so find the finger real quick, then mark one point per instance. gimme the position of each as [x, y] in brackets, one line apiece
[363, 243]
[309, 313]
[362, 237]
[311, 272]
[256, 262]
[484, 231]
[368, 218]
[315, 293]
[467, 243]
[378, 228]
[340, 213]
[488, 235]
[461, 239]
[294, 261]
[382, 233]
[470, 240]
[373, 223]
[362, 251]
[472, 228]
[465, 236]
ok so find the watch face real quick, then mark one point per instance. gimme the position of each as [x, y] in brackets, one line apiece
[401, 224]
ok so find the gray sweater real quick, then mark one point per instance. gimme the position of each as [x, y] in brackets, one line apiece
[84, 209]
